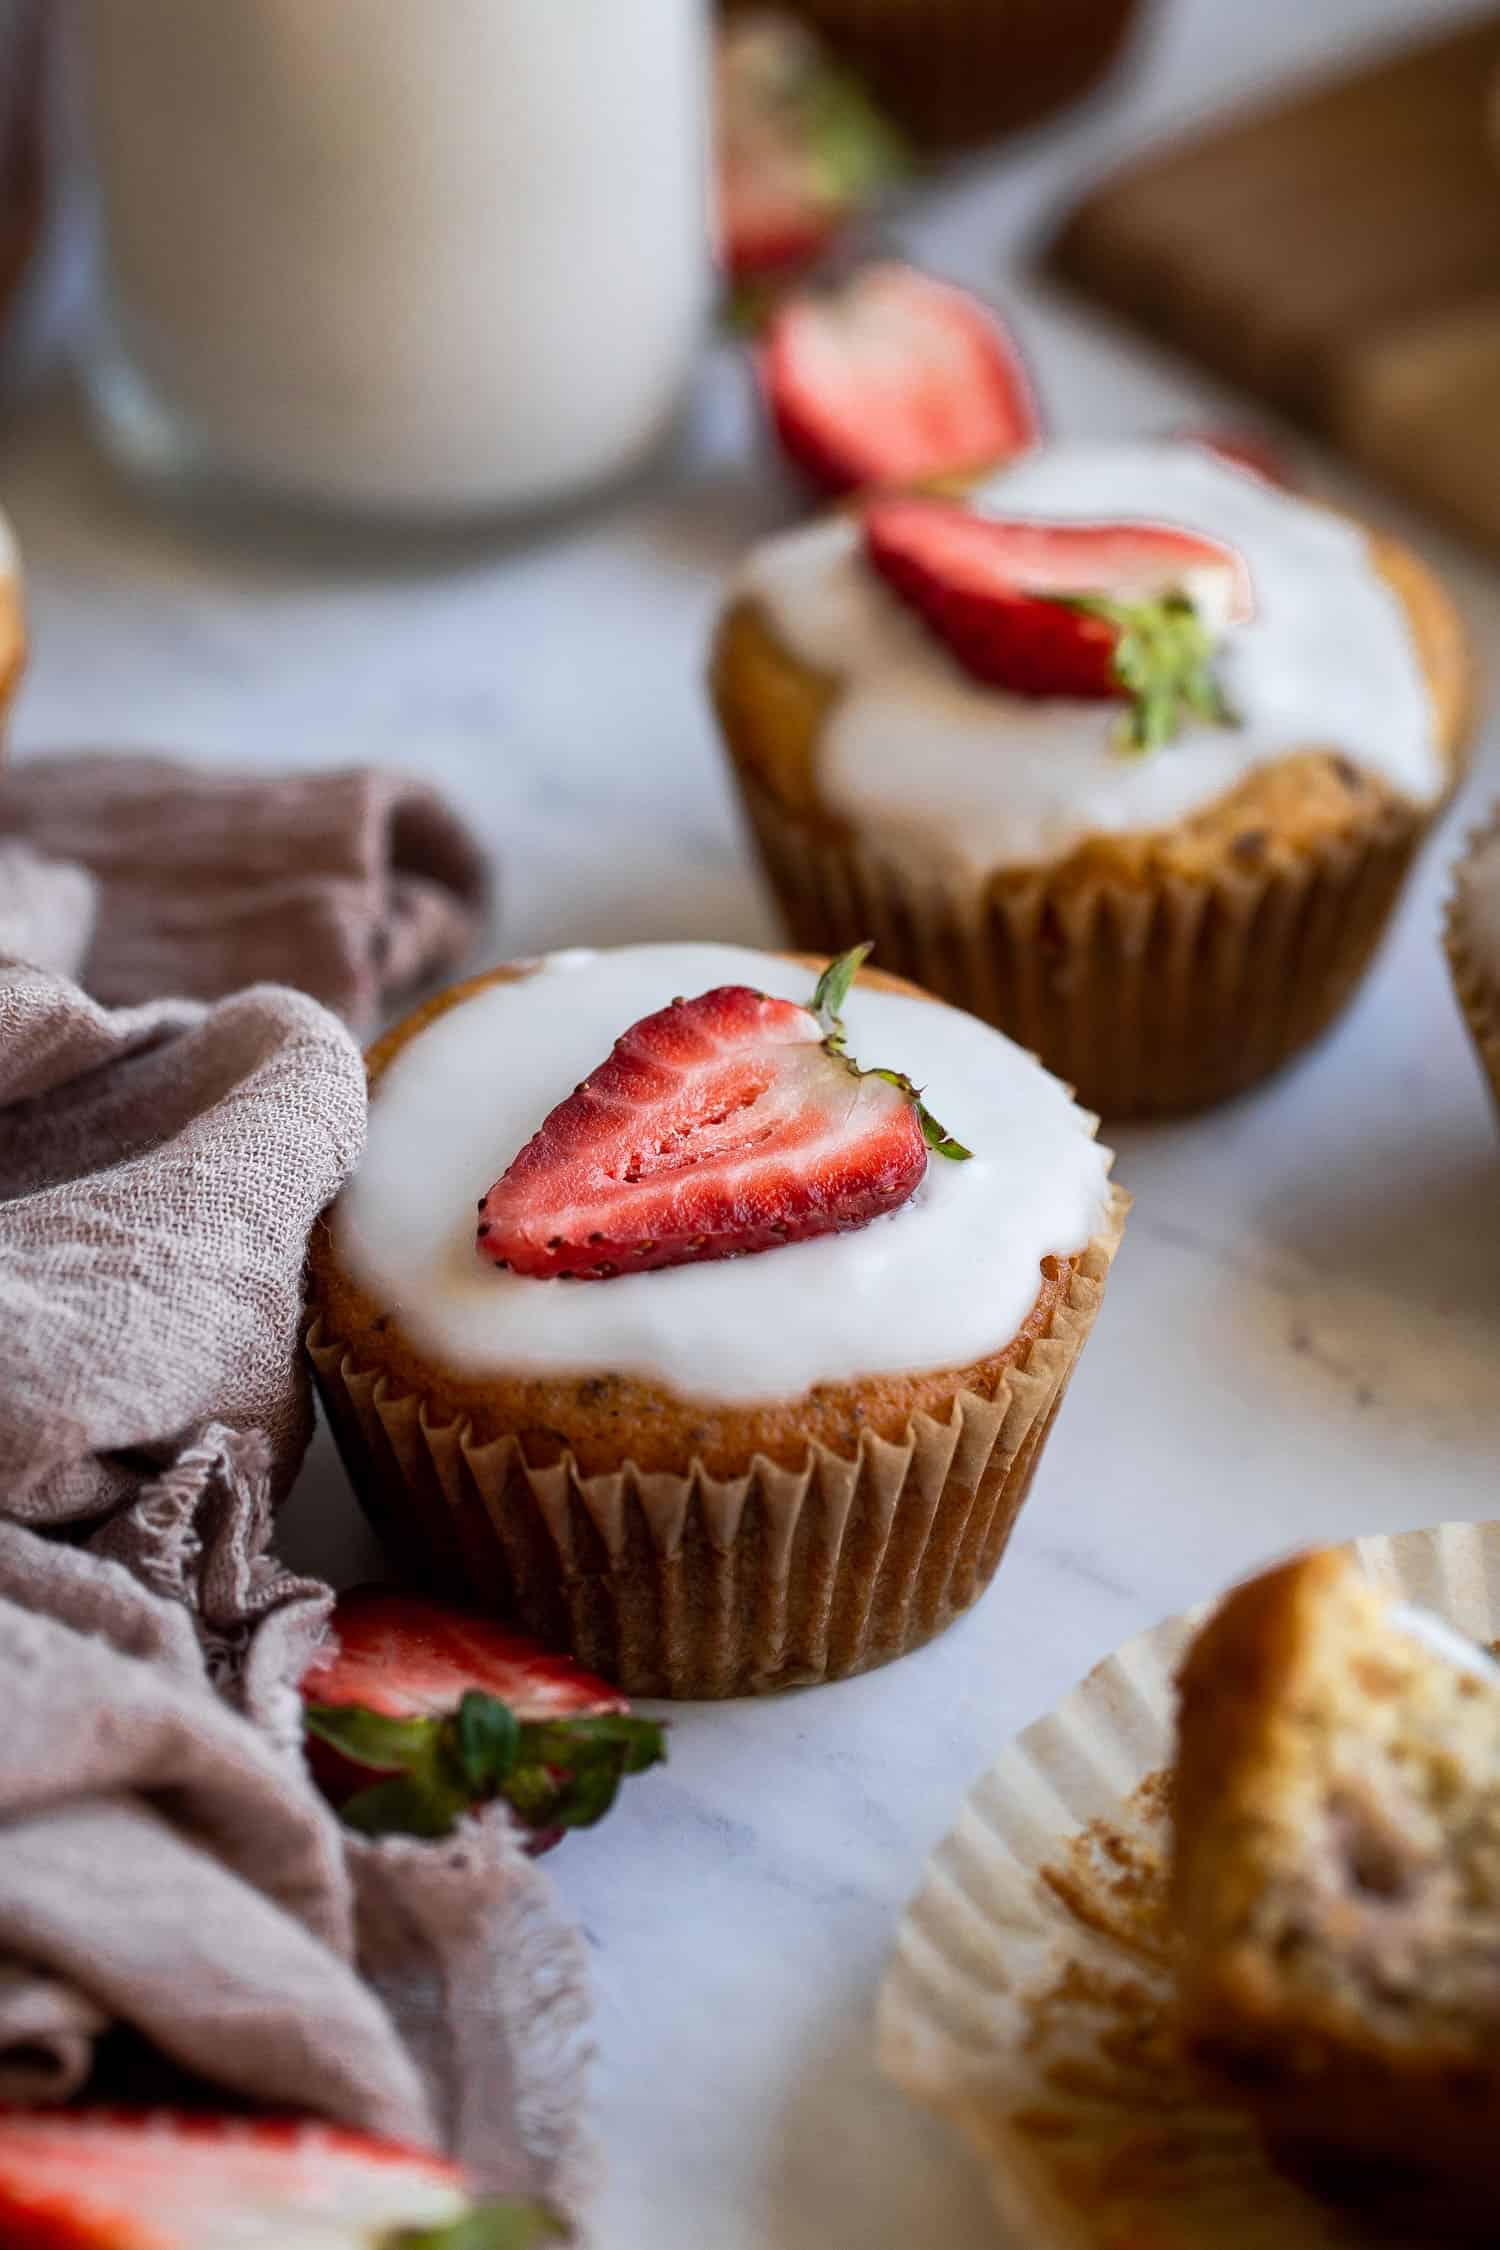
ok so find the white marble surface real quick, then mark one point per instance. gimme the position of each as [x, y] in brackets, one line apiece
[1300, 1339]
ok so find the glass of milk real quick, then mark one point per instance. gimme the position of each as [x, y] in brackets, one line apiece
[425, 259]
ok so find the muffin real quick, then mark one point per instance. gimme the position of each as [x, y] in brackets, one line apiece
[957, 72]
[1163, 926]
[725, 1473]
[1336, 1885]
[1473, 941]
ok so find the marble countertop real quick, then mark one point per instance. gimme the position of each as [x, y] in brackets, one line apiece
[1300, 1336]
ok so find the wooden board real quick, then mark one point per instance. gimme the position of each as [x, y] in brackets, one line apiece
[1339, 255]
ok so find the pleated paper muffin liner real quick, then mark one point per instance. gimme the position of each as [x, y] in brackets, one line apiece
[1475, 980]
[1029, 1998]
[692, 1585]
[1146, 1001]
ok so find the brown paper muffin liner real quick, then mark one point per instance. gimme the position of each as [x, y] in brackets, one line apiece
[1475, 979]
[1147, 1001]
[956, 72]
[1029, 1999]
[690, 1585]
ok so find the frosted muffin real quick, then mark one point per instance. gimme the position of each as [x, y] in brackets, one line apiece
[730, 1472]
[1473, 942]
[1165, 925]
[958, 72]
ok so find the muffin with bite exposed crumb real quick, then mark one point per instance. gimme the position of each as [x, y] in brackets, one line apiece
[1128, 751]
[1473, 942]
[740, 1374]
[1337, 1887]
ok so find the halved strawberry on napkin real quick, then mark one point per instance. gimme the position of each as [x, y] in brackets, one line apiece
[721, 1126]
[120, 2179]
[416, 1712]
[892, 378]
[1130, 611]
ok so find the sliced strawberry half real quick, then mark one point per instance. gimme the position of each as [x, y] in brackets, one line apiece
[416, 1712]
[119, 2179]
[720, 1126]
[800, 148]
[892, 378]
[773, 220]
[1063, 609]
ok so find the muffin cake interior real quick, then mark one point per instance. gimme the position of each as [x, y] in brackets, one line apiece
[1337, 1873]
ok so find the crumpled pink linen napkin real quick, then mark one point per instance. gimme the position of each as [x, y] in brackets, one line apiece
[165, 1863]
[351, 885]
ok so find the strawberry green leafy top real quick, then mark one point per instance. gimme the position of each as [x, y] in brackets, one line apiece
[505, 2225]
[827, 1006]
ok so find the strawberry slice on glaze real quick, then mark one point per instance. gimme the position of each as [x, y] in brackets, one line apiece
[719, 1126]
[1129, 611]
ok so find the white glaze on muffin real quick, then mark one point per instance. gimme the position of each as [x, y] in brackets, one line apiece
[941, 1282]
[930, 761]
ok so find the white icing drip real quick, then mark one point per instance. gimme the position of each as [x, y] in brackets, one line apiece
[1444, 1640]
[937, 765]
[944, 1280]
